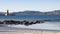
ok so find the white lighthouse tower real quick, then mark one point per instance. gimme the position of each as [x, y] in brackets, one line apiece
[7, 13]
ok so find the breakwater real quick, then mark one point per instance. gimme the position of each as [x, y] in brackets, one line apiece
[27, 23]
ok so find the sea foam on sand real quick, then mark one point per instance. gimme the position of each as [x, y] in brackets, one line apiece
[46, 25]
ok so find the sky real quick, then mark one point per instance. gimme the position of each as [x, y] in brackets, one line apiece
[36, 5]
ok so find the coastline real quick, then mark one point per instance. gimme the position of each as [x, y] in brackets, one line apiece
[4, 30]
[13, 30]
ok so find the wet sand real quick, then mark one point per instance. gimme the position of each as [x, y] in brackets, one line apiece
[4, 30]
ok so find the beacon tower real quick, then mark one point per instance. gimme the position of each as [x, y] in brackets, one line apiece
[7, 13]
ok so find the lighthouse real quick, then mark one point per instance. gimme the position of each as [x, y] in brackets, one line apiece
[7, 13]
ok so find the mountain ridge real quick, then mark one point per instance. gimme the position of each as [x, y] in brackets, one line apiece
[33, 12]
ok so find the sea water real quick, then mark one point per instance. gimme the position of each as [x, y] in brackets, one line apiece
[32, 17]
[54, 25]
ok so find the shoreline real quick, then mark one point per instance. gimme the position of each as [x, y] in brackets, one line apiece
[23, 27]
[26, 31]
[13, 28]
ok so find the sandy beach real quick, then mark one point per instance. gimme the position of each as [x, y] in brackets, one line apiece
[4, 30]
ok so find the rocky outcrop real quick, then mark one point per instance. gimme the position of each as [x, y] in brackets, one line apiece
[27, 23]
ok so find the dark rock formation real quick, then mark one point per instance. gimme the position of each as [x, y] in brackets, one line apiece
[27, 23]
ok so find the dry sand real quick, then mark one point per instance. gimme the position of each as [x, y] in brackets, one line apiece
[4, 30]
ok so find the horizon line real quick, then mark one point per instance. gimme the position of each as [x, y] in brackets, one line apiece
[29, 10]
